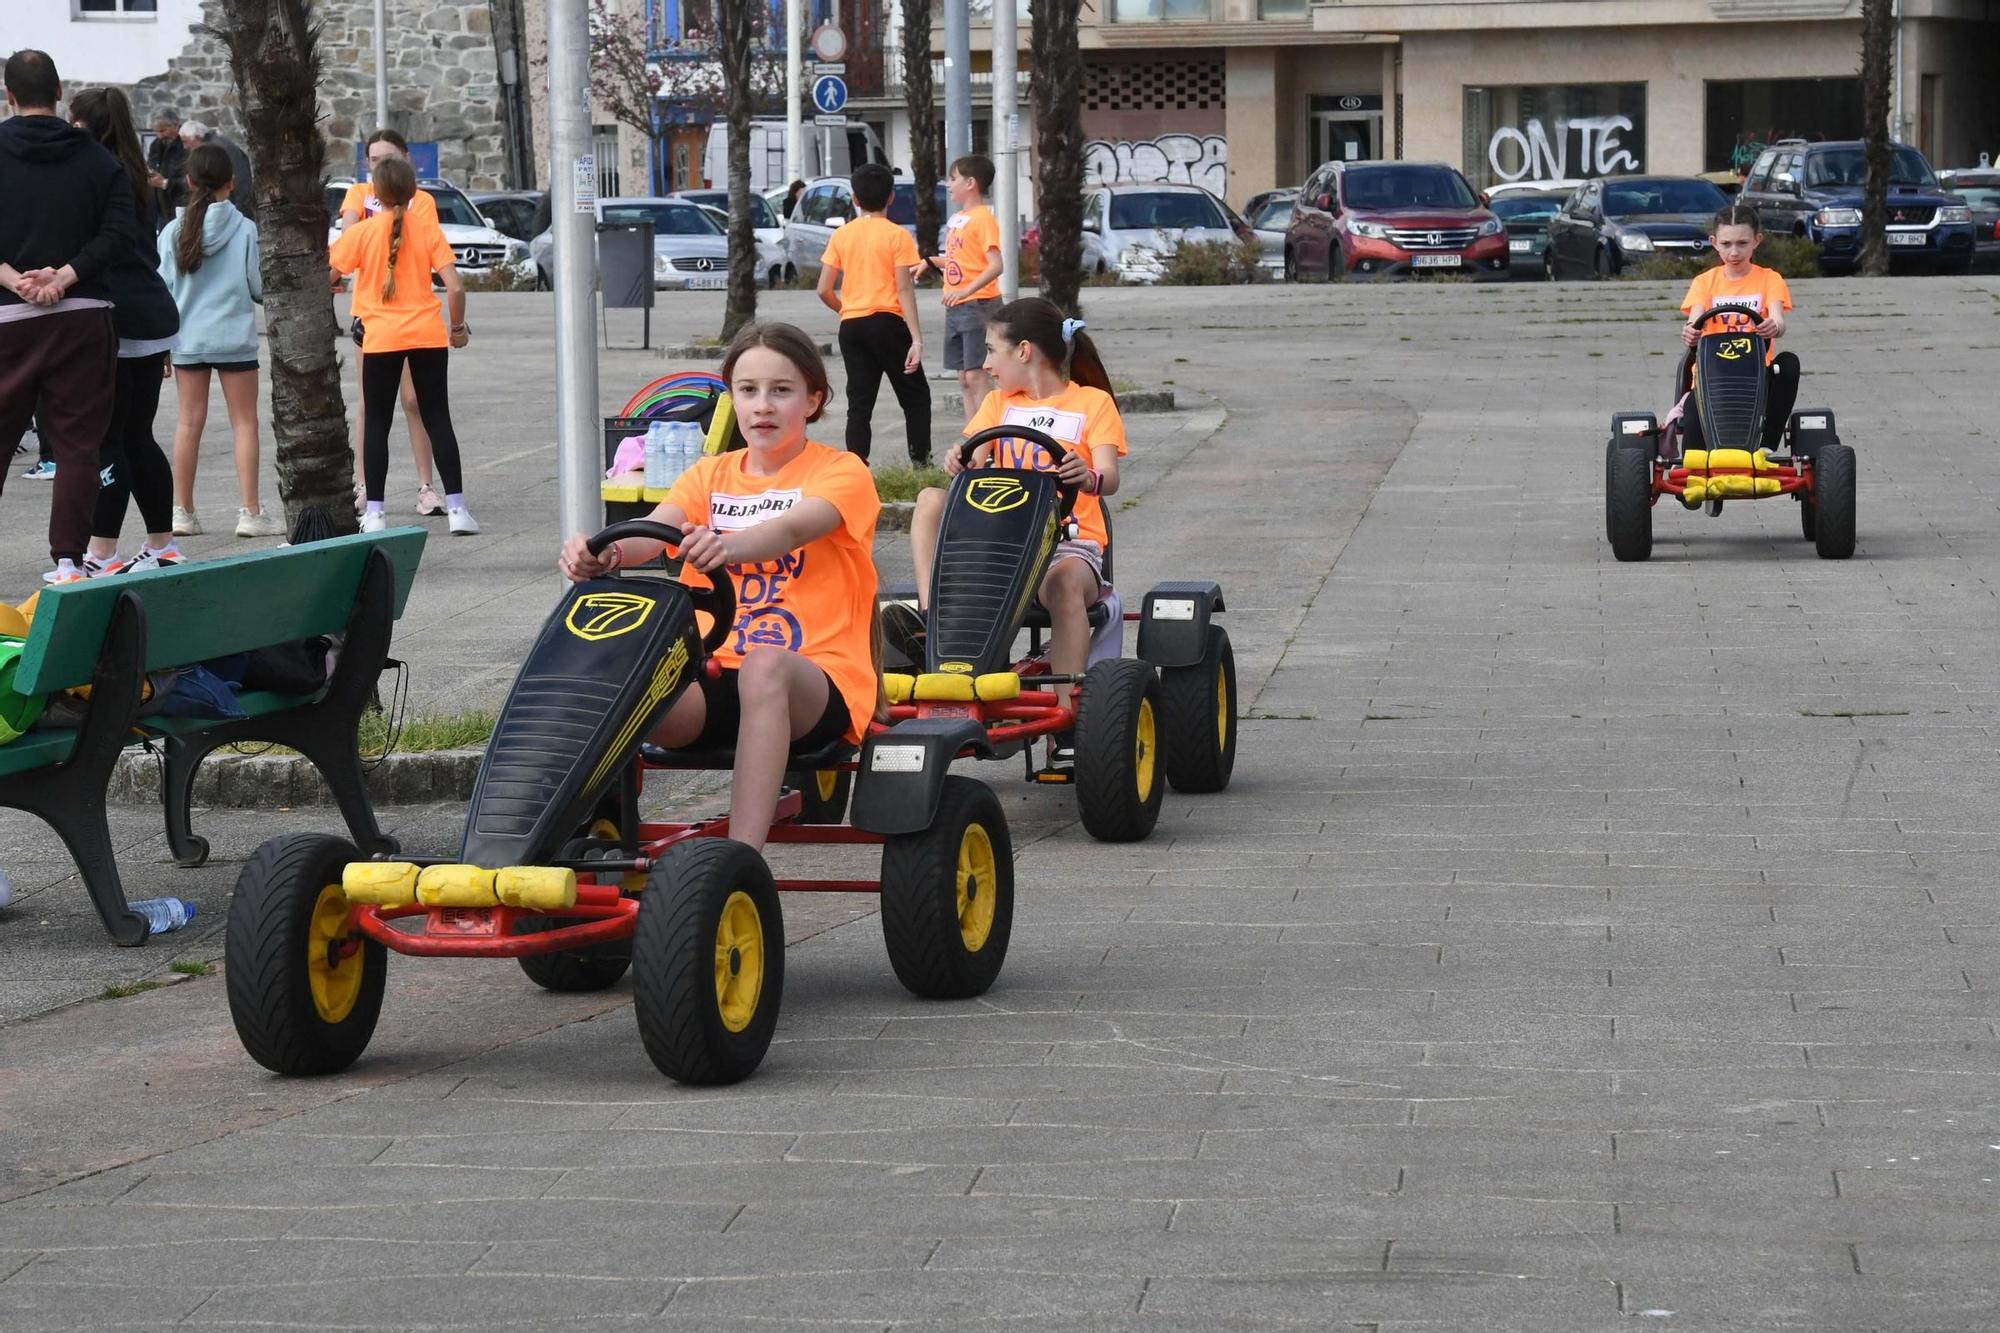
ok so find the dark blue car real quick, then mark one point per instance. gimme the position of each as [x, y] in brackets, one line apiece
[1814, 190]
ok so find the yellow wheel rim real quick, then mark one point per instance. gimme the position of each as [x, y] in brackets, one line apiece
[978, 887]
[605, 829]
[335, 981]
[1221, 711]
[1144, 750]
[829, 782]
[739, 961]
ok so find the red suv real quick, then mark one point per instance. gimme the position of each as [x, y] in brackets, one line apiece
[1372, 219]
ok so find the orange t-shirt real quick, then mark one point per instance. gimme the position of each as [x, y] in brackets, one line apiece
[818, 601]
[970, 238]
[868, 252]
[1079, 416]
[360, 198]
[413, 317]
[1761, 289]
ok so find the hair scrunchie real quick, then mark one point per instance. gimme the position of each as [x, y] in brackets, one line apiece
[1070, 327]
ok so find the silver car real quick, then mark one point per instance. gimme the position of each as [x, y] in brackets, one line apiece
[829, 203]
[765, 225]
[1132, 230]
[690, 252]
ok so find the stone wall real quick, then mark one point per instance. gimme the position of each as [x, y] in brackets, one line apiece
[444, 84]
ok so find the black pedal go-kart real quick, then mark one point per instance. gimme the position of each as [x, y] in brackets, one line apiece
[557, 870]
[1645, 460]
[1165, 717]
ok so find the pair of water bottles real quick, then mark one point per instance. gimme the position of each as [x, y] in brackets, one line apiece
[671, 449]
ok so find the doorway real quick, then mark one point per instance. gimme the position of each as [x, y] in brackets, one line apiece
[1346, 128]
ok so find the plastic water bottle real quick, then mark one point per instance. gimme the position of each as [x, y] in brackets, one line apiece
[692, 441]
[658, 463]
[163, 914]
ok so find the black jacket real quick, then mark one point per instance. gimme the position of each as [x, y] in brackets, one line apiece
[169, 157]
[68, 202]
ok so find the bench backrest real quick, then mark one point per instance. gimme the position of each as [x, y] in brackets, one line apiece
[212, 608]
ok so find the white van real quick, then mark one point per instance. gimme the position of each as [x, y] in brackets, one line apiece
[850, 146]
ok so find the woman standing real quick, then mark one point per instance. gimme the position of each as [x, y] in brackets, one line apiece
[210, 259]
[131, 465]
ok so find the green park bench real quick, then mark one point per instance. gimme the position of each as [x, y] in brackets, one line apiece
[108, 633]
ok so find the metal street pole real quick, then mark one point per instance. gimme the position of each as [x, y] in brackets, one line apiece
[794, 76]
[1006, 156]
[957, 80]
[381, 64]
[573, 187]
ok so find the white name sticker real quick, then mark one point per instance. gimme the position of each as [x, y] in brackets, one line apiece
[733, 513]
[1065, 426]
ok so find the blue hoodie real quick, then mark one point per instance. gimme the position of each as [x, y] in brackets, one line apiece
[218, 323]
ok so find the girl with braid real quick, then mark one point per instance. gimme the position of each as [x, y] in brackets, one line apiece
[392, 256]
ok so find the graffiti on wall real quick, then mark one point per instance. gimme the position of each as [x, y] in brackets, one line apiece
[1181, 159]
[1532, 153]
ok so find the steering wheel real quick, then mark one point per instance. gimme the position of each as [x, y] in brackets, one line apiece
[1046, 442]
[719, 600]
[1754, 316]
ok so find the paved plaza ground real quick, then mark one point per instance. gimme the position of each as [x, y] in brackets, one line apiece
[1579, 946]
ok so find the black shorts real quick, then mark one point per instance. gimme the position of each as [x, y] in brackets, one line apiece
[227, 367]
[725, 715]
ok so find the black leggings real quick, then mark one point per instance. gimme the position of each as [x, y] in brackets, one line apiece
[381, 391]
[130, 462]
[1781, 394]
[873, 346]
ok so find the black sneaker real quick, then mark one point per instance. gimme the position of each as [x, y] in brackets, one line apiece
[1062, 753]
[903, 630]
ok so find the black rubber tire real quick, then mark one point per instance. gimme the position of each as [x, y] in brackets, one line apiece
[1603, 266]
[923, 922]
[267, 974]
[577, 971]
[1628, 501]
[1833, 498]
[1118, 785]
[816, 806]
[1200, 719]
[673, 962]
[1291, 269]
[1336, 267]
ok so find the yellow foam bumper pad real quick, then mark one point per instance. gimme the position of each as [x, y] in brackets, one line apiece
[542, 888]
[1733, 487]
[898, 686]
[997, 686]
[944, 687]
[380, 883]
[456, 886]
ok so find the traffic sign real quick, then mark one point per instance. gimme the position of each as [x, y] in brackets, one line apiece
[829, 94]
[829, 43]
[832, 122]
[839, 67]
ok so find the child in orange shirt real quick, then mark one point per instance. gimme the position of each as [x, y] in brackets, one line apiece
[794, 521]
[399, 316]
[971, 266]
[874, 262]
[1735, 235]
[1049, 377]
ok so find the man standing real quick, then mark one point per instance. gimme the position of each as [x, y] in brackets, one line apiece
[57, 346]
[194, 134]
[167, 159]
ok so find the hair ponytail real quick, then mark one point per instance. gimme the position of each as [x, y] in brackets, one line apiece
[395, 245]
[1040, 323]
[208, 171]
[395, 183]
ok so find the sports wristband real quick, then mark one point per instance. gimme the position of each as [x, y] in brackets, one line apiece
[1096, 482]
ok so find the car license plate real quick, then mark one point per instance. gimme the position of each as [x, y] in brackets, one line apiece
[1521, 247]
[708, 282]
[1906, 238]
[1434, 261]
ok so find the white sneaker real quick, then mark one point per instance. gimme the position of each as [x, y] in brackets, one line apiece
[463, 524]
[165, 557]
[375, 522]
[185, 523]
[251, 523]
[65, 572]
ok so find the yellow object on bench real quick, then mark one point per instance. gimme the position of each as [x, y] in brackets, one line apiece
[456, 886]
[625, 488]
[1734, 485]
[543, 888]
[381, 883]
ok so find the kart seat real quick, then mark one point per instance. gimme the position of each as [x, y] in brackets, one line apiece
[840, 751]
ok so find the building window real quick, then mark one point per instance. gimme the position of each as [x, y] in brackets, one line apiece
[109, 9]
[1554, 132]
[1162, 11]
[604, 150]
[1744, 115]
[1281, 9]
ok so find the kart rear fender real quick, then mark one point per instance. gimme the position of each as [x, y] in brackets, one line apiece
[901, 774]
[1173, 621]
[1636, 429]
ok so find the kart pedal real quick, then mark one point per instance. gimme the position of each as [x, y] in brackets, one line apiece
[1059, 777]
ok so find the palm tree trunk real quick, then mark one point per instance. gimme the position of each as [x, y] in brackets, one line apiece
[1878, 47]
[920, 98]
[1055, 84]
[735, 33]
[275, 58]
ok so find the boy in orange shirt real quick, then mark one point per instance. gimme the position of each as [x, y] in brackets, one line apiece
[1736, 281]
[874, 262]
[971, 266]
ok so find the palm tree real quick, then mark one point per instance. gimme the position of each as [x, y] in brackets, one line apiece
[1055, 84]
[919, 96]
[274, 56]
[736, 31]
[1878, 46]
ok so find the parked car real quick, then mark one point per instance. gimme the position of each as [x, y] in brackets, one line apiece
[829, 203]
[521, 214]
[1381, 219]
[1526, 215]
[765, 223]
[1814, 190]
[1155, 219]
[690, 251]
[480, 251]
[1618, 220]
[1269, 214]
[1506, 188]
[770, 254]
[1979, 188]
